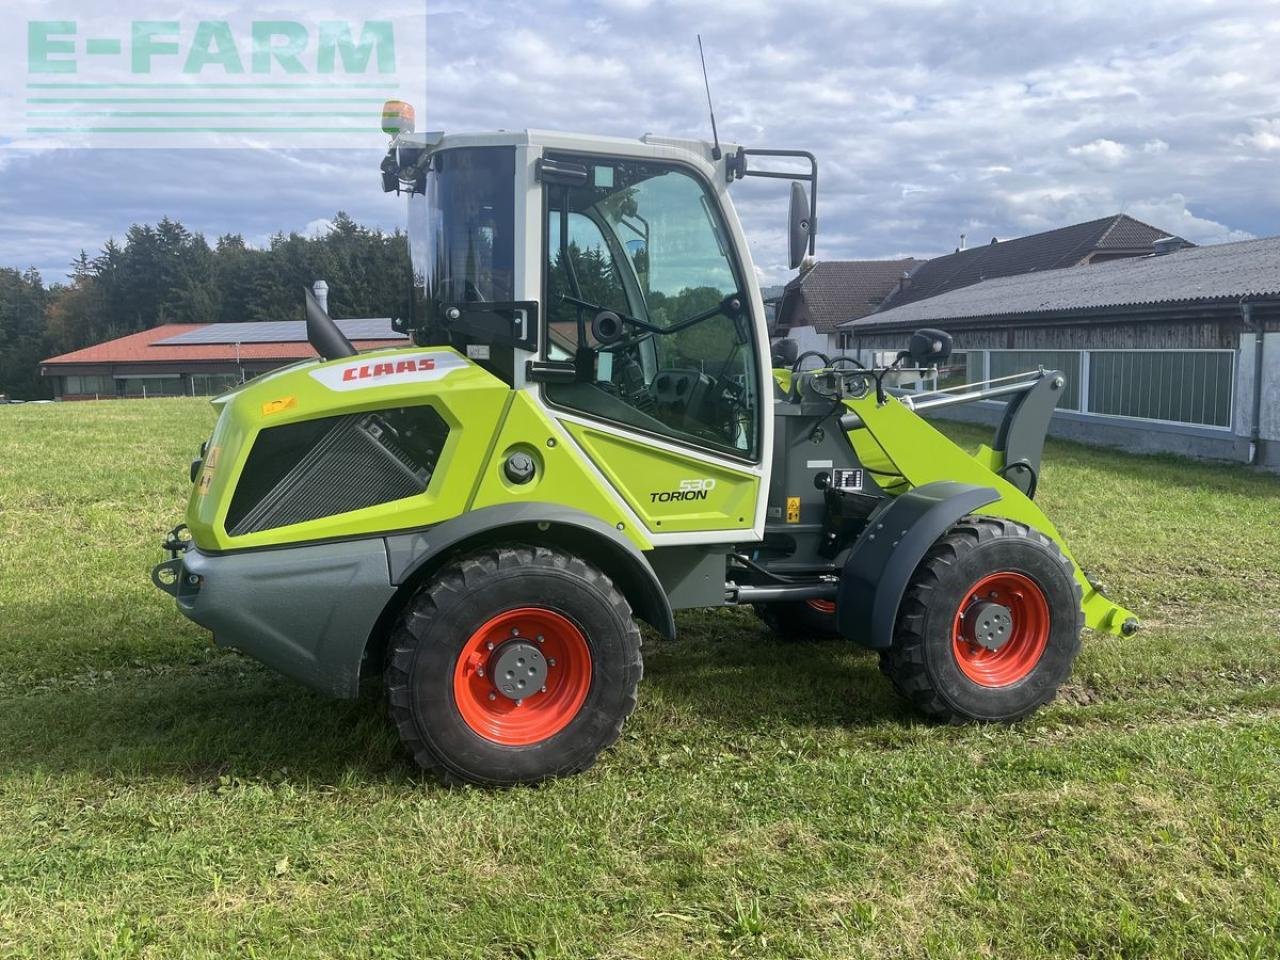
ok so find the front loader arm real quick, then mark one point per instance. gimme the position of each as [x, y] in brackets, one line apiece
[904, 452]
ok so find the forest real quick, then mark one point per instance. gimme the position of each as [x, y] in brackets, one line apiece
[165, 273]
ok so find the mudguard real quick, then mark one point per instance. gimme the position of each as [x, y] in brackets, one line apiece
[880, 566]
[540, 523]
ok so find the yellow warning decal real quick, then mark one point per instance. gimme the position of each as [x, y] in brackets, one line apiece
[793, 509]
[206, 474]
[277, 406]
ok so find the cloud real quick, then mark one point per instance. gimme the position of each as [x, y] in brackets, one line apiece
[1265, 136]
[1106, 153]
[929, 119]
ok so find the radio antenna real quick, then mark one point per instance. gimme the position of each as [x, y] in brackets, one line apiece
[715, 151]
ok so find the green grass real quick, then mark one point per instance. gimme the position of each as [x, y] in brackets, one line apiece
[160, 798]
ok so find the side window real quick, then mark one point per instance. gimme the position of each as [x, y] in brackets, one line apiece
[645, 241]
[588, 257]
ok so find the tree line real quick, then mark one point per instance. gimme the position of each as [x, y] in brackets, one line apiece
[164, 273]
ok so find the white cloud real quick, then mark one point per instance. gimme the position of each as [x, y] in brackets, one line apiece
[1104, 152]
[318, 227]
[1173, 214]
[1265, 136]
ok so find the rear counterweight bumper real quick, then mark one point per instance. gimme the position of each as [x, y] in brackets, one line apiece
[304, 611]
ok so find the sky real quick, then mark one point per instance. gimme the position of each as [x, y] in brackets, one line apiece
[929, 119]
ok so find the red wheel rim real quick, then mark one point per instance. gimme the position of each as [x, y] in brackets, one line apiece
[822, 606]
[1028, 636]
[541, 713]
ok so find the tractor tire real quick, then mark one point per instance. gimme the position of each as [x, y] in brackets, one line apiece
[512, 665]
[989, 626]
[799, 620]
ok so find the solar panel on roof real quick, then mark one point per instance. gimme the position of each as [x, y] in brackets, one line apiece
[278, 331]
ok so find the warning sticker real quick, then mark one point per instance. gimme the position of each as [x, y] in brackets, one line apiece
[847, 480]
[793, 509]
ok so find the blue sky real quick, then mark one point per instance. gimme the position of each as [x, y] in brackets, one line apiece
[929, 120]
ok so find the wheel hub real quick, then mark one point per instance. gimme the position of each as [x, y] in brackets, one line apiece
[988, 624]
[518, 669]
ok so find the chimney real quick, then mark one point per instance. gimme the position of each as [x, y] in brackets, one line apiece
[962, 241]
[904, 282]
[1166, 245]
[321, 290]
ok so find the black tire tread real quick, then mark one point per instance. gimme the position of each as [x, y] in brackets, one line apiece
[459, 577]
[904, 662]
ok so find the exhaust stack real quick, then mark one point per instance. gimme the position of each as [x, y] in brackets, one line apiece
[323, 333]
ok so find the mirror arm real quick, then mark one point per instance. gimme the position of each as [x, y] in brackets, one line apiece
[738, 169]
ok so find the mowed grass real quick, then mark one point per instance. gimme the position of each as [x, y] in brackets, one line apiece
[159, 798]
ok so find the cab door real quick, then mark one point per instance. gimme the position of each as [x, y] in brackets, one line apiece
[646, 304]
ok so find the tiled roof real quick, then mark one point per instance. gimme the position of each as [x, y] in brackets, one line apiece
[836, 290]
[1051, 250]
[143, 347]
[1223, 272]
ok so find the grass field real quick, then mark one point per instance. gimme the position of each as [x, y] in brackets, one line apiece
[161, 798]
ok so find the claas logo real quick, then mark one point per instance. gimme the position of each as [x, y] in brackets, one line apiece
[372, 371]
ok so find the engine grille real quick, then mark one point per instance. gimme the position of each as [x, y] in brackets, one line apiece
[321, 468]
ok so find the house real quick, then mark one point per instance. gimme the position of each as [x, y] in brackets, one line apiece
[815, 303]
[1111, 238]
[818, 301]
[195, 359]
[1177, 351]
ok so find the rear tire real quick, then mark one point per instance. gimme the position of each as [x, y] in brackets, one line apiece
[989, 626]
[513, 665]
[799, 620]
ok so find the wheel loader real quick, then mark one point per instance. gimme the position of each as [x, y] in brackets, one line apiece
[589, 427]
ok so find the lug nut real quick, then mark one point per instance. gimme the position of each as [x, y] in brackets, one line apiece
[539, 639]
[480, 672]
[493, 696]
[515, 631]
[551, 662]
[489, 644]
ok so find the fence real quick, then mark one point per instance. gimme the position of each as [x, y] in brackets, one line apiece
[1183, 387]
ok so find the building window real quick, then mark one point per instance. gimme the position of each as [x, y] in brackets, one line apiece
[212, 384]
[1005, 363]
[1177, 386]
[89, 386]
[154, 387]
[1193, 387]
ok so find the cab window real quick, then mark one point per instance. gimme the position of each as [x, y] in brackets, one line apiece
[644, 297]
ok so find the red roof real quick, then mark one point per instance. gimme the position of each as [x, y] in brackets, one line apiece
[141, 348]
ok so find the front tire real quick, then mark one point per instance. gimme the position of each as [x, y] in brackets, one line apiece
[989, 626]
[513, 665]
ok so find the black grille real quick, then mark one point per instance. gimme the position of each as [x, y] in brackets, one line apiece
[320, 468]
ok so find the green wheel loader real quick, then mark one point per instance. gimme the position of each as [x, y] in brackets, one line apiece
[590, 427]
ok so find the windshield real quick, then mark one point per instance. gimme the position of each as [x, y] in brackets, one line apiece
[462, 227]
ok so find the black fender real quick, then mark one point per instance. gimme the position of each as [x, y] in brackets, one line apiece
[880, 565]
[409, 554]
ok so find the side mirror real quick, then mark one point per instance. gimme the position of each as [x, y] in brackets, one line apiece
[928, 347]
[800, 227]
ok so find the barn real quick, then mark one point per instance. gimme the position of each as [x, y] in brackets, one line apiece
[1178, 351]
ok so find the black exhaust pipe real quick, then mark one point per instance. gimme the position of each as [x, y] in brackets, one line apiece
[323, 333]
